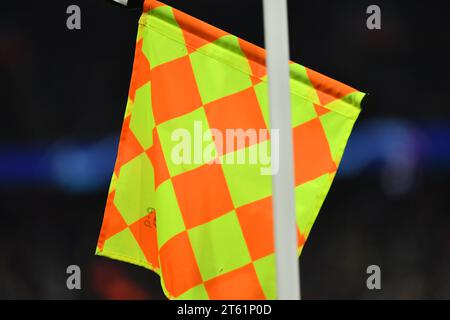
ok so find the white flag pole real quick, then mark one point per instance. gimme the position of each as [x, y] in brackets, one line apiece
[277, 46]
[122, 2]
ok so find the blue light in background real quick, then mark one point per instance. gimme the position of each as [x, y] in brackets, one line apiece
[379, 146]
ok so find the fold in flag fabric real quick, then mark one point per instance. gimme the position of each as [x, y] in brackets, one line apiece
[186, 202]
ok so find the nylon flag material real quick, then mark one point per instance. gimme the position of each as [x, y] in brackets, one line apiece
[182, 202]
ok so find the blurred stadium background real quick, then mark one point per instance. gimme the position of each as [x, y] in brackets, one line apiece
[63, 96]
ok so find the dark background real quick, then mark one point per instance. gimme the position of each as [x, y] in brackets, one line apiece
[63, 96]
